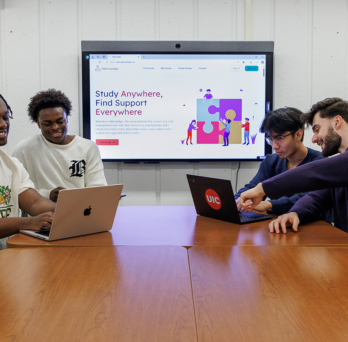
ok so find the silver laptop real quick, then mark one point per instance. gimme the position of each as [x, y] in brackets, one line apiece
[81, 212]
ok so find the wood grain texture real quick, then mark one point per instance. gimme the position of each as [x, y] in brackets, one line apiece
[96, 294]
[269, 293]
[181, 226]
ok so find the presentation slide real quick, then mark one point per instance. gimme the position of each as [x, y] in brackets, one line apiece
[168, 106]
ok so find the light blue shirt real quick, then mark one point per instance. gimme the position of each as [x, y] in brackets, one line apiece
[228, 126]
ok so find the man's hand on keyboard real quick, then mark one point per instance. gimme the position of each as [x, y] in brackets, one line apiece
[240, 209]
[41, 221]
[250, 199]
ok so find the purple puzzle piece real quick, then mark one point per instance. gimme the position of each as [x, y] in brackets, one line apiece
[225, 105]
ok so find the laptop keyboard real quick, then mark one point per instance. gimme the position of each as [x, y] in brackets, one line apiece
[250, 216]
[43, 232]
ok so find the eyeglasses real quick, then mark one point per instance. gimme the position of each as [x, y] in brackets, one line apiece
[278, 138]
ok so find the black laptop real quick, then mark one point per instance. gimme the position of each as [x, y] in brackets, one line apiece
[214, 198]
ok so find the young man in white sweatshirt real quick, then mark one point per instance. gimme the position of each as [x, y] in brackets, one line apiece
[54, 159]
[17, 190]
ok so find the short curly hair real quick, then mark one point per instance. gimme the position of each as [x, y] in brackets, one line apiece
[50, 98]
[328, 108]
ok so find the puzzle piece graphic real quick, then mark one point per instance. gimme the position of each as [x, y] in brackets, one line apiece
[225, 105]
[204, 115]
[235, 136]
[207, 138]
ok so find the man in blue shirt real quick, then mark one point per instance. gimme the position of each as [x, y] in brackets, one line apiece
[284, 132]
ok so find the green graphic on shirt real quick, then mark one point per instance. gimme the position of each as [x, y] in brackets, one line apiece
[5, 195]
[5, 211]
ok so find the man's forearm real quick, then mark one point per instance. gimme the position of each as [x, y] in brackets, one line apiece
[34, 204]
[42, 206]
[12, 225]
[259, 189]
[247, 187]
[321, 174]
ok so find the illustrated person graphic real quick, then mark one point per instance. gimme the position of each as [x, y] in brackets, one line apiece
[189, 131]
[208, 96]
[246, 127]
[227, 124]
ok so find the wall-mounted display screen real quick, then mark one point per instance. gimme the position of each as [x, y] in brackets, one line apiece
[151, 105]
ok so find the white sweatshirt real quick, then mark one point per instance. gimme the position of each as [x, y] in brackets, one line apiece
[75, 165]
[14, 179]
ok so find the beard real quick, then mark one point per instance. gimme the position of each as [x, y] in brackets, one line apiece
[332, 142]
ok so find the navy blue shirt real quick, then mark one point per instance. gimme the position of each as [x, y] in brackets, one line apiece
[272, 166]
[329, 177]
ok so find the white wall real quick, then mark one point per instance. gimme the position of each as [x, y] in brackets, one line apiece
[40, 48]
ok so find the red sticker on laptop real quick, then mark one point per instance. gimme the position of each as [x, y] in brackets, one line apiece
[213, 199]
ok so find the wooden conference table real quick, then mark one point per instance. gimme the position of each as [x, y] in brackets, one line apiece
[133, 294]
[168, 293]
[180, 226]
[268, 293]
[237, 283]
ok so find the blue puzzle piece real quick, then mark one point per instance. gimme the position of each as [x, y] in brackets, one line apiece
[204, 115]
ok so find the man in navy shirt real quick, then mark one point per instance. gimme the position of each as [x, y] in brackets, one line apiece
[327, 178]
[284, 132]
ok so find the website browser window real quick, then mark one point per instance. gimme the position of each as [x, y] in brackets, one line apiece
[177, 106]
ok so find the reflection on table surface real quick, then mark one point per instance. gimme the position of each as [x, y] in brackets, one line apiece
[181, 226]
